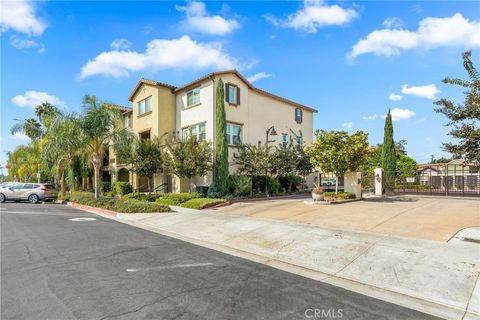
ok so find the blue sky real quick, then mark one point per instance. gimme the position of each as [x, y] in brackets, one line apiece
[350, 60]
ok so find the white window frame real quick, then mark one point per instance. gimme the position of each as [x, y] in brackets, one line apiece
[195, 94]
[231, 136]
[198, 130]
[298, 115]
[143, 104]
[232, 99]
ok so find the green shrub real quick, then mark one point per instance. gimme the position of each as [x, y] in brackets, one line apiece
[167, 202]
[213, 192]
[122, 188]
[108, 194]
[202, 203]
[273, 185]
[106, 186]
[340, 195]
[290, 182]
[179, 198]
[239, 185]
[136, 206]
[143, 196]
[124, 205]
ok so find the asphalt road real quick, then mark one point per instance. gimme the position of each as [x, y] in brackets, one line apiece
[54, 268]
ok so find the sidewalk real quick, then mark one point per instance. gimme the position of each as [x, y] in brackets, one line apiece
[429, 276]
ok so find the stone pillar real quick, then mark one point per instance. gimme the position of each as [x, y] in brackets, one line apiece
[353, 183]
[378, 173]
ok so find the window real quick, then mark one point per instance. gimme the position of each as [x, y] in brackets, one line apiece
[193, 97]
[28, 186]
[299, 141]
[145, 106]
[284, 139]
[234, 132]
[198, 130]
[298, 115]
[232, 94]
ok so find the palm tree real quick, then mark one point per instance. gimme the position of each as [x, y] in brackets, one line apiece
[101, 125]
[46, 112]
[30, 127]
[65, 140]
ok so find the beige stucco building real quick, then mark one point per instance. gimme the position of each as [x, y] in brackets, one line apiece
[160, 109]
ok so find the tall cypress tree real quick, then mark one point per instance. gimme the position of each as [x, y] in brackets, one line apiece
[389, 154]
[220, 169]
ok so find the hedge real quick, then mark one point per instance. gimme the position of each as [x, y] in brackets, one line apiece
[143, 196]
[167, 202]
[202, 203]
[412, 186]
[340, 195]
[121, 188]
[180, 198]
[123, 205]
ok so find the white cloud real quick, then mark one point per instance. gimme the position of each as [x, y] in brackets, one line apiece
[197, 19]
[19, 136]
[33, 98]
[160, 54]
[120, 44]
[401, 114]
[372, 117]
[313, 15]
[392, 23]
[347, 125]
[258, 76]
[429, 91]
[395, 97]
[454, 31]
[20, 16]
[19, 43]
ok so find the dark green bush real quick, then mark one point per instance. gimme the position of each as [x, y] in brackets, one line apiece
[290, 182]
[179, 198]
[202, 203]
[122, 188]
[106, 186]
[273, 185]
[239, 185]
[78, 196]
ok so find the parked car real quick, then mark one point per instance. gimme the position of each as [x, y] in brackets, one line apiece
[31, 192]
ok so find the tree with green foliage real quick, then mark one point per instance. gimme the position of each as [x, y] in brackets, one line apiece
[405, 167]
[46, 112]
[64, 141]
[101, 124]
[142, 156]
[389, 156]
[338, 152]
[254, 161]
[220, 168]
[188, 158]
[29, 127]
[464, 118]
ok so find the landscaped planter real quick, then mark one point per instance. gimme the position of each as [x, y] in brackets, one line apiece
[318, 194]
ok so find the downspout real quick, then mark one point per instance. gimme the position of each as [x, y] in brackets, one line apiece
[213, 124]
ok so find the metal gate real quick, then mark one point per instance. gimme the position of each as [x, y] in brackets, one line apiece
[439, 179]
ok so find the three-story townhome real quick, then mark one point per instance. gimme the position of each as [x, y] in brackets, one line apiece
[253, 116]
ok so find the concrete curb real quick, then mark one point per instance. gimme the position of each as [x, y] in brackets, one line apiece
[103, 212]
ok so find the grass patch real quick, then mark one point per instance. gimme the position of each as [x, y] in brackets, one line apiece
[167, 202]
[202, 203]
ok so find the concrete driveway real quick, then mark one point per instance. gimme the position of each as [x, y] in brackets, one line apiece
[432, 218]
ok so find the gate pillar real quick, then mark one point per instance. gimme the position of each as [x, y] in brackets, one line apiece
[379, 189]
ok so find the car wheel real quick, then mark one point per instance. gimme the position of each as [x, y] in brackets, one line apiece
[2, 198]
[33, 198]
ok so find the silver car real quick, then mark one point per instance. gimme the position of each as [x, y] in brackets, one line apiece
[31, 192]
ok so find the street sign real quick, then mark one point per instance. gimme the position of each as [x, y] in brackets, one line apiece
[410, 179]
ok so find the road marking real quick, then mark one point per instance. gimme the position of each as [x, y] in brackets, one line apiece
[172, 267]
[82, 219]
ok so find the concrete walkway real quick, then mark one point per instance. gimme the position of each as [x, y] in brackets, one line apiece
[429, 276]
[429, 218]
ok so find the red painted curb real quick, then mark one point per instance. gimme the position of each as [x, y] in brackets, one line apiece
[94, 209]
[290, 196]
